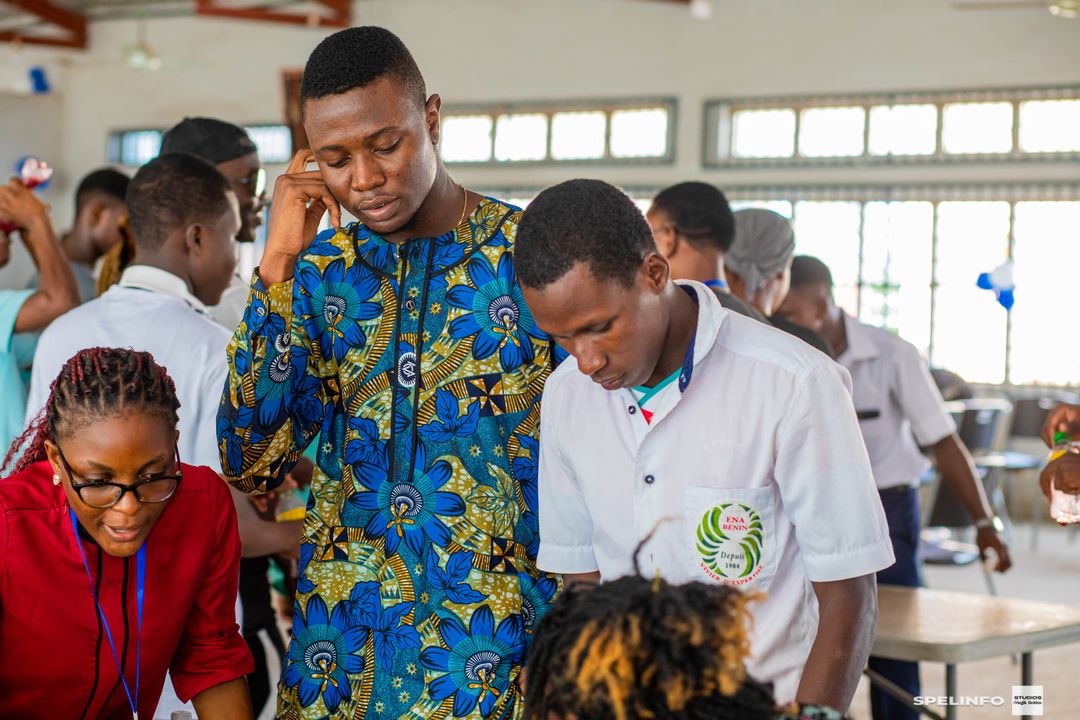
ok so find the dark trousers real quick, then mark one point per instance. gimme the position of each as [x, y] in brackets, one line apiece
[902, 512]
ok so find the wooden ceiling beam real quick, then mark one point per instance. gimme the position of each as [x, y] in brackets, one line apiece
[340, 17]
[72, 23]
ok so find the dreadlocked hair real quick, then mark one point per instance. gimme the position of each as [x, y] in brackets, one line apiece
[635, 648]
[93, 384]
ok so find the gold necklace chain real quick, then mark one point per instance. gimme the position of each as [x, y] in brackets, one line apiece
[464, 206]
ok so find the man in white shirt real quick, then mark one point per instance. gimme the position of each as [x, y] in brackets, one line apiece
[183, 217]
[727, 449]
[899, 409]
[232, 152]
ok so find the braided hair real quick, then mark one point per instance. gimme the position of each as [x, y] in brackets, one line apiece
[635, 648]
[97, 383]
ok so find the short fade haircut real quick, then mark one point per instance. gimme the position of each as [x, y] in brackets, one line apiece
[106, 182]
[700, 213]
[171, 191]
[808, 271]
[585, 221]
[357, 57]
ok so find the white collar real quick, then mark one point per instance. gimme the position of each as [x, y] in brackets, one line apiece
[145, 277]
[860, 346]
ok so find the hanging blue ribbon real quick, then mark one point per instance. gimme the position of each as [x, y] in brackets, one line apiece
[140, 587]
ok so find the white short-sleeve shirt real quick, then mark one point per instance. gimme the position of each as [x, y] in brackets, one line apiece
[756, 477]
[149, 310]
[897, 401]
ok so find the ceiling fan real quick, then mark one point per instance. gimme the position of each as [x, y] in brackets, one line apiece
[1060, 8]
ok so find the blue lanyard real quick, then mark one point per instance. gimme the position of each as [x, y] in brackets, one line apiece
[717, 284]
[140, 586]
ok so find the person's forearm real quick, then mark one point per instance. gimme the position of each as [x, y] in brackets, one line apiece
[847, 616]
[958, 471]
[57, 292]
[227, 701]
[260, 537]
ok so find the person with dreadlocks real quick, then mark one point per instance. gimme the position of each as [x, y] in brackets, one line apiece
[634, 648]
[117, 561]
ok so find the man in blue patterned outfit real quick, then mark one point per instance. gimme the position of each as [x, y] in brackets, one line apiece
[403, 341]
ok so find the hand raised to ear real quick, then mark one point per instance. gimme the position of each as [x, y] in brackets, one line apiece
[301, 198]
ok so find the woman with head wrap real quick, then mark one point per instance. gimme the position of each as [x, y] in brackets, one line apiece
[758, 268]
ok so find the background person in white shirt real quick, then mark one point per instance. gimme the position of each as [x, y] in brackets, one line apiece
[736, 443]
[900, 409]
[233, 153]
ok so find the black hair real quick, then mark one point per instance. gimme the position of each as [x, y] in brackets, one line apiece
[171, 191]
[635, 648]
[96, 383]
[700, 213]
[585, 221]
[807, 270]
[355, 58]
[106, 181]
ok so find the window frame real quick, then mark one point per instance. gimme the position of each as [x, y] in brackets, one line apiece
[935, 194]
[718, 115]
[114, 142]
[550, 108]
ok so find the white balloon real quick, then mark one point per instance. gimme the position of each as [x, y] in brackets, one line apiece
[1002, 276]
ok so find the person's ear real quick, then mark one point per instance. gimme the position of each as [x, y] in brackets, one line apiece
[194, 238]
[821, 304]
[431, 115]
[52, 454]
[656, 272]
[667, 241]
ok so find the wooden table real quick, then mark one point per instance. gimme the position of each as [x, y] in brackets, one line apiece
[923, 625]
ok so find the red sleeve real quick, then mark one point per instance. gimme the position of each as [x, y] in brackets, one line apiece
[211, 650]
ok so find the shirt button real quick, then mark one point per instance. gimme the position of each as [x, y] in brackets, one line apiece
[649, 479]
[631, 409]
[410, 304]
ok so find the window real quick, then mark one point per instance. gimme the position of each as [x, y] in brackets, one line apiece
[639, 133]
[977, 127]
[274, 142]
[1050, 126]
[466, 138]
[929, 127]
[764, 133]
[897, 268]
[578, 135]
[1043, 343]
[903, 129]
[830, 232]
[832, 132]
[134, 148]
[571, 132]
[521, 137]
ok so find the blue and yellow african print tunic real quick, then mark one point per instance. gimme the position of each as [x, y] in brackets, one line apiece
[419, 368]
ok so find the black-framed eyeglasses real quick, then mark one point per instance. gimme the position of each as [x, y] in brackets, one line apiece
[254, 183]
[101, 494]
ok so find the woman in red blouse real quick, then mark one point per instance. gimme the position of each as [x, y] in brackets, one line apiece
[117, 562]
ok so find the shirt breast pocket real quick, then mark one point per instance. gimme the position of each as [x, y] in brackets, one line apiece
[730, 536]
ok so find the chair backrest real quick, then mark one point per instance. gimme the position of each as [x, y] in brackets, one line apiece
[982, 423]
[1029, 413]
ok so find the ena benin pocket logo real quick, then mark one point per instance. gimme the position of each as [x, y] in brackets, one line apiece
[731, 543]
